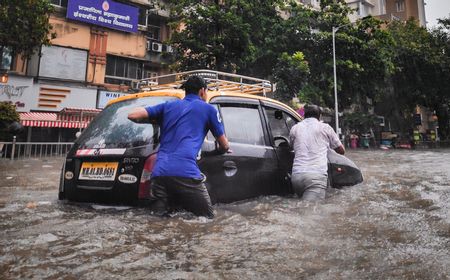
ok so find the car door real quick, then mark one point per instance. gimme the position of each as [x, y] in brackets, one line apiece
[250, 169]
[279, 123]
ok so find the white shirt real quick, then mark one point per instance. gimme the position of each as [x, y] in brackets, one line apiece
[311, 140]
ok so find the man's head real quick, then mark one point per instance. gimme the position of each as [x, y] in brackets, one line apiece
[195, 85]
[312, 111]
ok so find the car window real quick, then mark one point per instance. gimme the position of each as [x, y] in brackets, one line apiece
[242, 124]
[112, 128]
[280, 123]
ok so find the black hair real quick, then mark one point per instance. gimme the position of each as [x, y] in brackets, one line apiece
[312, 111]
[193, 84]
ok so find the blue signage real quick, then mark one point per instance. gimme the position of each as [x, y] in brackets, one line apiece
[105, 13]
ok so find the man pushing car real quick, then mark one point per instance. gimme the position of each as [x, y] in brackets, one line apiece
[176, 178]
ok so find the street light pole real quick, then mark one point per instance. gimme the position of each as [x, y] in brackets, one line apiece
[336, 115]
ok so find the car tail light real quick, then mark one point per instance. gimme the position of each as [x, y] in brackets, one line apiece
[144, 185]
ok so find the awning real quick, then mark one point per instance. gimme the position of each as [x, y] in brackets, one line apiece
[77, 117]
[67, 118]
[85, 111]
[39, 119]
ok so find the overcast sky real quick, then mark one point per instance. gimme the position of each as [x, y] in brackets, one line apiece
[435, 9]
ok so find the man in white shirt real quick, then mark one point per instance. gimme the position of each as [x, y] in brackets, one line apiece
[311, 140]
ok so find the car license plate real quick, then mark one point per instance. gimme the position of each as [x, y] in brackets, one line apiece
[100, 171]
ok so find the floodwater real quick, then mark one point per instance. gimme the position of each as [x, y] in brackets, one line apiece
[395, 225]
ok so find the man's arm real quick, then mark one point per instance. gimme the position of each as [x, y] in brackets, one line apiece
[138, 114]
[335, 141]
[224, 146]
[340, 150]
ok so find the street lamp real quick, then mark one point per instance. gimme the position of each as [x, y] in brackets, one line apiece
[336, 116]
[3, 76]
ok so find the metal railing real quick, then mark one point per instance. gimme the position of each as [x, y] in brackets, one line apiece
[216, 80]
[17, 150]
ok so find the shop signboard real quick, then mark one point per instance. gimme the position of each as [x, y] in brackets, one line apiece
[20, 92]
[105, 96]
[105, 13]
[63, 63]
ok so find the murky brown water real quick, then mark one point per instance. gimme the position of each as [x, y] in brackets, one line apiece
[396, 225]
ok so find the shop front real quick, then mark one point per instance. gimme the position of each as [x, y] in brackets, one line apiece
[56, 126]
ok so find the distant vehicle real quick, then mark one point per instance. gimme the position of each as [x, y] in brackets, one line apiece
[112, 160]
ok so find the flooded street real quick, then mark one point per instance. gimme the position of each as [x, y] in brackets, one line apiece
[395, 225]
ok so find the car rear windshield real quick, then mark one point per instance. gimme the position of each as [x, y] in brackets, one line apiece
[112, 128]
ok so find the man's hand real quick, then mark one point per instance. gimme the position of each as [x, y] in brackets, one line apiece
[138, 114]
[340, 150]
[224, 146]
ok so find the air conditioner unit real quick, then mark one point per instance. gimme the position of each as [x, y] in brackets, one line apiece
[157, 47]
[168, 48]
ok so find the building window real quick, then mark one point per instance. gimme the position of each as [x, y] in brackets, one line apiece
[142, 17]
[120, 70]
[382, 7]
[152, 22]
[6, 57]
[154, 27]
[400, 5]
[242, 125]
[62, 3]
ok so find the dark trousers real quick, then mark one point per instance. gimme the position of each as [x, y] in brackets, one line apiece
[189, 194]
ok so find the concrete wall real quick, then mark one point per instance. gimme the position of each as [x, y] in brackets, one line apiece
[126, 44]
[70, 34]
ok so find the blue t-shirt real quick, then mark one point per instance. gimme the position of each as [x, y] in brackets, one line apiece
[184, 124]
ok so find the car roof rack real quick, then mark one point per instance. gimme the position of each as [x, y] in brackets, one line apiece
[220, 81]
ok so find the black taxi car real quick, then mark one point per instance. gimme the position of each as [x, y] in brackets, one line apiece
[112, 160]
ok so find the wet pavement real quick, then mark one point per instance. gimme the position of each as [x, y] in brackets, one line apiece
[395, 225]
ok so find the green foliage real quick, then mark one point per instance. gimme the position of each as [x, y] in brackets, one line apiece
[24, 25]
[363, 55]
[311, 95]
[8, 114]
[291, 73]
[360, 121]
[422, 60]
[397, 65]
[226, 36]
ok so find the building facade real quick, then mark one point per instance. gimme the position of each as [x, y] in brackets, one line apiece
[100, 48]
[389, 9]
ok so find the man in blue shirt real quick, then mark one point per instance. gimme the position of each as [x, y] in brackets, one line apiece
[176, 178]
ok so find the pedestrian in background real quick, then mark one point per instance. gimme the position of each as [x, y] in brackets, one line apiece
[311, 139]
[176, 178]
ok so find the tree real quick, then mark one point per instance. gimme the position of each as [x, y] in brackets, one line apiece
[363, 62]
[288, 67]
[8, 115]
[422, 68]
[24, 26]
[220, 35]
